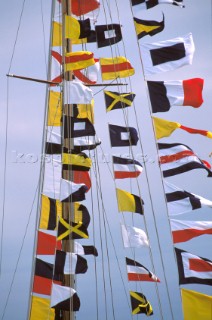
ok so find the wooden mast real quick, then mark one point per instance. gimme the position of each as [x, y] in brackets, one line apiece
[67, 208]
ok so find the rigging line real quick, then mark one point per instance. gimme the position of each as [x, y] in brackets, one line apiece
[148, 184]
[114, 248]
[4, 177]
[16, 38]
[20, 251]
[139, 187]
[6, 135]
[95, 264]
[106, 244]
[101, 242]
[44, 38]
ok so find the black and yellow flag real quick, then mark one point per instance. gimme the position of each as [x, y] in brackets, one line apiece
[140, 304]
[71, 230]
[148, 27]
[51, 210]
[129, 202]
[76, 161]
[116, 100]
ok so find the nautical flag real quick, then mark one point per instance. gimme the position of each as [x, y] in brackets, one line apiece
[52, 176]
[108, 34]
[134, 237]
[72, 192]
[164, 128]
[76, 161]
[54, 109]
[82, 111]
[180, 201]
[176, 158]
[117, 67]
[82, 132]
[81, 7]
[71, 230]
[147, 27]
[165, 94]
[82, 177]
[77, 29]
[137, 272]
[69, 263]
[84, 250]
[186, 230]
[40, 307]
[53, 141]
[140, 304]
[196, 305]
[88, 75]
[129, 202]
[78, 60]
[116, 100]
[56, 67]
[81, 214]
[47, 242]
[50, 210]
[64, 298]
[126, 168]
[167, 55]
[122, 136]
[148, 4]
[43, 277]
[76, 92]
[74, 30]
[193, 269]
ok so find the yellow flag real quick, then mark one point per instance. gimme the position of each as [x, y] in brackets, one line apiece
[55, 109]
[164, 128]
[41, 309]
[51, 209]
[196, 306]
[129, 202]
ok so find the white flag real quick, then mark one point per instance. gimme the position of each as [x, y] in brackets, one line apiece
[76, 93]
[134, 237]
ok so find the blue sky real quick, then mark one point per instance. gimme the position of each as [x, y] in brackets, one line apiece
[24, 101]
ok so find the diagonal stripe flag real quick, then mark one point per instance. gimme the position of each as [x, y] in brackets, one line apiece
[147, 27]
[71, 230]
[116, 100]
[129, 202]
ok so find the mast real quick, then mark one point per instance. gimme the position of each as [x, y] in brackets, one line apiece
[67, 208]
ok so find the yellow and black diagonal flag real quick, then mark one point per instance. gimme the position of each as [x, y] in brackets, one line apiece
[148, 27]
[140, 304]
[116, 100]
[71, 230]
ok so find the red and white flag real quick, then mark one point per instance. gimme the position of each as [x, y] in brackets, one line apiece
[186, 230]
[193, 269]
[137, 272]
[176, 158]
